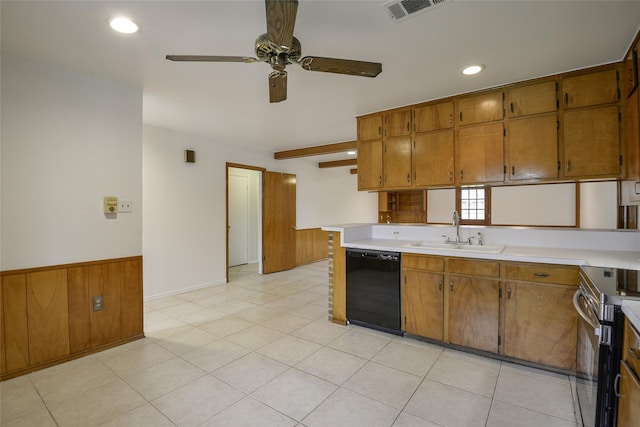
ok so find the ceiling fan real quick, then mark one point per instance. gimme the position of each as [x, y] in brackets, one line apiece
[279, 48]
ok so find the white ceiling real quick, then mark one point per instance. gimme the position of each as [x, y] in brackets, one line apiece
[228, 102]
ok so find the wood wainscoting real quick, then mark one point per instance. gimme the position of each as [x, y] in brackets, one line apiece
[311, 246]
[49, 315]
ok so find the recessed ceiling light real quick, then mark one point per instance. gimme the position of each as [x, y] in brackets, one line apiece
[472, 69]
[351, 153]
[123, 25]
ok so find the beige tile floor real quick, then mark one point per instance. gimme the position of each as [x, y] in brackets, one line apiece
[260, 351]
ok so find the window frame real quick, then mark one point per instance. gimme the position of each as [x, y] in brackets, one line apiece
[487, 205]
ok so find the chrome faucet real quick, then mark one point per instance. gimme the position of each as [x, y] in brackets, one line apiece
[458, 240]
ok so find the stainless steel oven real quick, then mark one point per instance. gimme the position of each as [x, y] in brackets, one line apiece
[600, 328]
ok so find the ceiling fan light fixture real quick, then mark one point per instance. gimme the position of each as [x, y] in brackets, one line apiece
[123, 25]
[473, 69]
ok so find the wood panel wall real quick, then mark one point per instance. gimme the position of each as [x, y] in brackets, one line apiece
[311, 246]
[47, 316]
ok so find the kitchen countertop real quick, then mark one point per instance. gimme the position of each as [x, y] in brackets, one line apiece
[613, 259]
[631, 309]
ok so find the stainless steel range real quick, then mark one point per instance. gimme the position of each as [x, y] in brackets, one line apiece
[600, 327]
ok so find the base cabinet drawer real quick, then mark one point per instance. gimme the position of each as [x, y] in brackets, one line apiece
[629, 397]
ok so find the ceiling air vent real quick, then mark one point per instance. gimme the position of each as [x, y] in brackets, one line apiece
[399, 10]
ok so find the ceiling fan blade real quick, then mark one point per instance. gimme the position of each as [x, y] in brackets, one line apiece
[281, 19]
[277, 86]
[209, 58]
[341, 66]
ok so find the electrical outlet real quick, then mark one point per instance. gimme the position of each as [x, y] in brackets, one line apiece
[98, 303]
[125, 206]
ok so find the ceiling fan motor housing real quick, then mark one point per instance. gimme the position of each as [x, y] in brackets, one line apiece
[278, 56]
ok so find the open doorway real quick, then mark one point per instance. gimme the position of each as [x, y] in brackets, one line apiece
[244, 217]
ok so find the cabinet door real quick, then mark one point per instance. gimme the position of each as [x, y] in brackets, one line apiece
[541, 324]
[104, 280]
[629, 399]
[370, 165]
[423, 304]
[16, 333]
[590, 89]
[532, 99]
[474, 312]
[481, 154]
[433, 159]
[131, 298]
[397, 123]
[480, 108]
[591, 142]
[48, 313]
[3, 358]
[630, 72]
[433, 117]
[533, 147]
[632, 135]
[397, 162]
[370, 128]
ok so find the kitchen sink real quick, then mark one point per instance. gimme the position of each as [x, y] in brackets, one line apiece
[490, 249]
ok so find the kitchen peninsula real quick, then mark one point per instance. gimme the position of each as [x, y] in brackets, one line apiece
[512, 301]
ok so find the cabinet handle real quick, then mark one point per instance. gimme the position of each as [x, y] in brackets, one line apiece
[511, 104]
[408, 177]
[566, 99]
[633, 353]
[460, 115]
[380, 179]
[380, 130]
[508, 293]
[616, 385]
[513, 170]
[539, 274]
[451, 118]
[461, 175]
[440, 285]
[385, 177]
[409, 126]
[568, 165]
[450, 175]
[451, 286]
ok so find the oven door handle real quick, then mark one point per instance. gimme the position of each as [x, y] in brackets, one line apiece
[587, 318]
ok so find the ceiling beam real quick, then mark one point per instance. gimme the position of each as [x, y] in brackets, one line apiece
[338, 147]
[338, 163]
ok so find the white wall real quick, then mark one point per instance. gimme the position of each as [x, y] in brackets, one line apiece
[184, 213]
[68, 140]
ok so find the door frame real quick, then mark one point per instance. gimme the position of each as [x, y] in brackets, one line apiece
[226, 178]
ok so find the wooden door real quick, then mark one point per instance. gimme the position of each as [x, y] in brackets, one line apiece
[423, 304]
[279, 222]
[369, 165]
[629, 400]
[397, 123]
[433, 159]
[433, 117]
[590, 89]
[481, 153]
[474, 312]
[370, 128]
[397, 162]
[106, 324]
[16, 333]
[591, 142]
[48, 314]
[486, 107]
[532, 99]
[541, 324]
[533, 148]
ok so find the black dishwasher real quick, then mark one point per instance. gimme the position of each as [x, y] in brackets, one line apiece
[373, 289]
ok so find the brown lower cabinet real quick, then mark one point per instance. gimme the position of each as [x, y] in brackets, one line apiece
[629, 381]
[48, 316]
[518, 310]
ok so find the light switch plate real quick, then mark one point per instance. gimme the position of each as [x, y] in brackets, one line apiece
[98, 303]
[125, 206]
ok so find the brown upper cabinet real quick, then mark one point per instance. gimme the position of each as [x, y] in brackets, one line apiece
[532, 99]
[481, 153]
[397, 162]
[433, 117]
[370, 165]
[433, 154]
[485, 107]
[397, 123]
[370, 127]
[590, 89]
